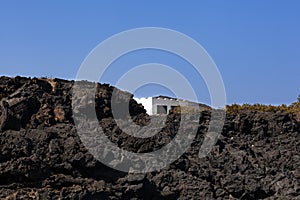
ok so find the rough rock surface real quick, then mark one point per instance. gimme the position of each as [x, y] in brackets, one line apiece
[42, 157]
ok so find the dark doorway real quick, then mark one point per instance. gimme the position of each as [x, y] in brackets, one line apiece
[162, 109]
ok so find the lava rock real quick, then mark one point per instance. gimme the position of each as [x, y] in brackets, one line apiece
[42, 156]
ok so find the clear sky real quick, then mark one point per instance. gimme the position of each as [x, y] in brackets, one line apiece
[255, 44]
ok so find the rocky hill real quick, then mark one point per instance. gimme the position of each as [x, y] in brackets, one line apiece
[42, 157]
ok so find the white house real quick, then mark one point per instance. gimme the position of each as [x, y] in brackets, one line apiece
[162, 104]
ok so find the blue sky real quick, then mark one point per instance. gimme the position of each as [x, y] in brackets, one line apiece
[255, 44]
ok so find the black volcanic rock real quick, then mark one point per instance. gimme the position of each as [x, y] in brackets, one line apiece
[42, 157]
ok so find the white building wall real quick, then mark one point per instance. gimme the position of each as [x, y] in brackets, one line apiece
[157, 101]
[147, 103]
[150, 104]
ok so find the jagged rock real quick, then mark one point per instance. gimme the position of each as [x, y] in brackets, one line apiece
[42, 157]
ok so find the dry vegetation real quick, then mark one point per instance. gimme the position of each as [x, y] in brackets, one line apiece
[188, 109]
[294, 108]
